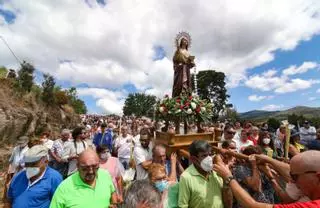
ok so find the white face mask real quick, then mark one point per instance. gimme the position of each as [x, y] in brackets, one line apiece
[266, 140]
[32, 171]
[207, 164]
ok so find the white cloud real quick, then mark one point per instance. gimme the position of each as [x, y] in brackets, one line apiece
[113, 45]
[296, 84]
[107, 100]
[272, 107]
[267, 81]
[256, 98]
[269, 73]
[301, 69]
[318, 91]
[2, 20]
[312, 98]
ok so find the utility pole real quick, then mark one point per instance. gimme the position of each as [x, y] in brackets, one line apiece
[5, 42]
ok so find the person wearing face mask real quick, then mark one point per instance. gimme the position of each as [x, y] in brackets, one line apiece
[200, 186]
[167, 187]
[34, 186]
[113, 166]
[266, 144]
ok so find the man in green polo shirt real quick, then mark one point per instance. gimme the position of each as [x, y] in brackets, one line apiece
[88, 187]
[200, 186]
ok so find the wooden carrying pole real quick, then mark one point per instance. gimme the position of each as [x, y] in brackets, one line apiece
[186, 154]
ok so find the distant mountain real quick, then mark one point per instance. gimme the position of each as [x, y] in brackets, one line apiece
[257, 114]
[308, 112]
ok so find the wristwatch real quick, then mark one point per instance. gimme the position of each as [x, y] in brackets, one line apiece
[228, 180]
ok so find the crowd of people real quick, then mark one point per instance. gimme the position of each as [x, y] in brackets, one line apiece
[111, 161]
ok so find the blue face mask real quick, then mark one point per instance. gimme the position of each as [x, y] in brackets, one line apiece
[161, 185]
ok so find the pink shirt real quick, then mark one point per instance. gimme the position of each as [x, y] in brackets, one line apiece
[115, 168]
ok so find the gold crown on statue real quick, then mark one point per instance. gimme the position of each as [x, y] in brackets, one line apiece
[184, 35]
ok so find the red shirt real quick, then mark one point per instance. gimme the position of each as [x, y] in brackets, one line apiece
[255, 142]
[309, 204]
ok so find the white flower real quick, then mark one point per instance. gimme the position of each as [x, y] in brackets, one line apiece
[161, 109]
[189, 111]
[203, 109]
[193, 105]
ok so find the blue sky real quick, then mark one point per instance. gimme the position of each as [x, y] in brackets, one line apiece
[269, 51]
[305, 51]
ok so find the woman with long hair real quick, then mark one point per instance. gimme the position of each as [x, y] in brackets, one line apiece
[266, 143]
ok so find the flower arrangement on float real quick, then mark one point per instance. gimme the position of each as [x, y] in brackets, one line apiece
[184, 107]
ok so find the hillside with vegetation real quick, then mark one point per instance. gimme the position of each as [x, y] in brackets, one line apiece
[295, 116]
[30, 109]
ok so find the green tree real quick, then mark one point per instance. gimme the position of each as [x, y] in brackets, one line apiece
[295, 119]
[79, 106]
[211, 86]
[273, 123]
[25, 76]
[72, 94]
[61, 97]
[139, 104]
[231, 114]
[48, 86]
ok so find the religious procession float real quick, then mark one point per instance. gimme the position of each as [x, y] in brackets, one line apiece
[184, 107]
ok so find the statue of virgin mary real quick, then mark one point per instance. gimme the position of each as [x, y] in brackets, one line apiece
[182, 63]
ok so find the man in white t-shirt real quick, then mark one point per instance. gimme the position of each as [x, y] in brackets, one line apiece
[307, 132]
[46, 141]
[16, 162]
[244, 140]
[230, 134]
[143, 154]
[123, 145]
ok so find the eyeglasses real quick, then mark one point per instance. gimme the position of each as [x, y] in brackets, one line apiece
[88, 167]
[231, 132]
[296, 176]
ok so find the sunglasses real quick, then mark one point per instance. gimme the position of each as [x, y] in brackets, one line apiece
[231, 132]
[296, 176]
[87, 168]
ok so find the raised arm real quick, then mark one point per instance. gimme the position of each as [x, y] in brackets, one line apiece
[238, 192]
[281, 167]
[173, 161]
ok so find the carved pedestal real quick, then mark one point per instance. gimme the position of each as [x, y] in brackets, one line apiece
[181, 142]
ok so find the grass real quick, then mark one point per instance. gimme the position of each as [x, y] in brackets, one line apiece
[3, 72]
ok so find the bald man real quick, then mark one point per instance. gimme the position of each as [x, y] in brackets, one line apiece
[304, 171]
[173, 166]
[88, 187]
